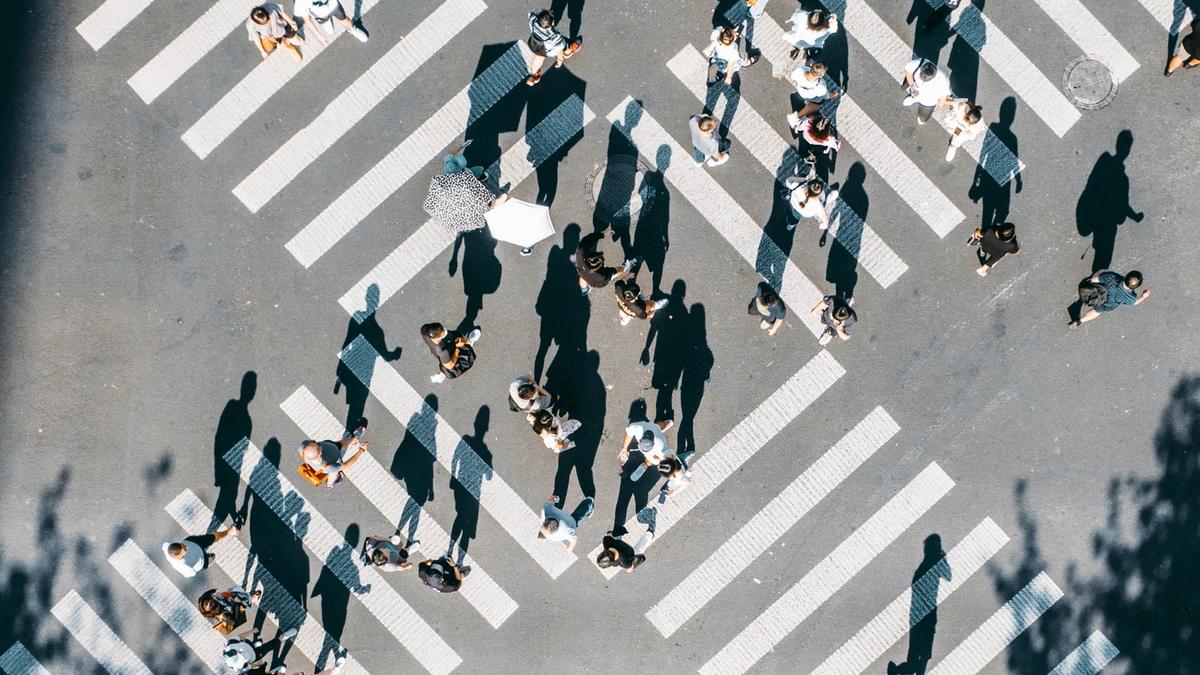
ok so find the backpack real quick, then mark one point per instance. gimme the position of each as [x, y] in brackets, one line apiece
[1092, 293]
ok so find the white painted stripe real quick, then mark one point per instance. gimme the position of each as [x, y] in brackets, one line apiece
[1073, 17]
[1169, 13]
[405, 160]
[829, 575]
[742, 442]
[1001, 628]
[779, 156]
[768, 525]
[108, 20]
[722, 212]
[168, 602]
[456, 456]
[327, 544]
[389, 496]
[891, 624]
[513, 167]
[254, 90]
[282, 609]
[17, 660]
[1089, 657]
[109, 650]
[190, 46]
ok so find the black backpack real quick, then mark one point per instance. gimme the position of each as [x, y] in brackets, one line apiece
[1092, 293]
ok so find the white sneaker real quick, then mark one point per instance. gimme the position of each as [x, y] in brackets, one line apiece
[338, 663]
[982, 271]
[288, 634]
[909, 100]
[661, 303]
[625, 319]
[825, 338]
[437, 379]
[920, 121]
[950, 153]
[474, 335]
[791, 226]
[358, 33]
[718, 162]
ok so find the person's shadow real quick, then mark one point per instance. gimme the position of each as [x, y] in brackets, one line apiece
[970, 36]
[481, 271]
[775, 234]
[922, 613]
[494, 110]
[997, 199]
[616, 188]
[932, 30]
[564, 313]
[1104, 205]
[841, 269]
[574, 12]
[560, 85]
[335, 592]
[413, 464]
[576, 380]
[639, 491]
[466, 484]
[697, 367]
[363, 324]
[651, 237]
[234, 425]
[668, 334]
[733, 97]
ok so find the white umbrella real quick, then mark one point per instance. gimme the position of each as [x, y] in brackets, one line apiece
[520, 223]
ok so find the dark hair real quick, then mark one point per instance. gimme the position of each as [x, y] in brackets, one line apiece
[260, 15]
[670, 466]
[927, 71]
[542, 421]
[209, 607]
[630, 292]
[727, 36]
[429, 330]
[818, 18]
[176, 548]
[841, 312]
[820, 126]
[767, 294]
[1006, 231]
[545, 18]
[526, 391]
[637, 560]
[379, 557]
[818, 68]
[1133, 279]
[593, 261]
[815, 187]
[606, 559]
[551, 525]
[974, 112]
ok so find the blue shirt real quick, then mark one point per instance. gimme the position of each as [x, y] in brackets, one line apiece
[1118, 293]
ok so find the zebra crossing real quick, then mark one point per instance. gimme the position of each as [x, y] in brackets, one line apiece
[16, 660]
[86, 626]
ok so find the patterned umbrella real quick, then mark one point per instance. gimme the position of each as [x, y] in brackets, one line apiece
[458, 201]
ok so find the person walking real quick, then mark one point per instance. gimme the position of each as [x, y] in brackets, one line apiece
[590, 263]
[811, 85]
[545, 40]
[618, 553]
[456, 161]
[993, 244]
[838, 317]
[967, 119]
[443, 575]
[927, 87]
[554, 431]
[269, 28]
[754, 11]
[1187, 54]
[648, 438]
[527, 396]
[325, 462]
[814, 131]
[191, 555]
[677, 470]
[632, 304]
[558, 525]
[245, 653]
[768, 307]
[809, 31]
[455, 352]
[323, 13]
[808, 198]
[386, 553]
[724, 56]
[226, 610]
[706, 145]
[1107, 290]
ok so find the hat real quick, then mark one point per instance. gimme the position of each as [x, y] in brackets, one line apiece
[646, 443]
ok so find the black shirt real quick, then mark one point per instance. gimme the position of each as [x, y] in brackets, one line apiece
[774, 312]
[625, 553]
[449, 580]
[636, 308]
[996, 247]
[598, 278]
[444, 348]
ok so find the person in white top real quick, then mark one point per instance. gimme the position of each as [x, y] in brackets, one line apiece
[647, 438]
[810, 83]
[816, 130]
[809, 30]
[554, 431]
[927, 87]
[809, 199]
[968, 124]
[191, 555]
[724, 55]
[558, 525]
[245, 653]
[268, 28]
[526, 395]
[323, 13]
[677, 470]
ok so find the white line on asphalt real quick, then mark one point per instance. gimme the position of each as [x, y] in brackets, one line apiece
[1089, 657]
[421, 247]
[456, 456]
[349, 107]
[17, 660]
[386, 494]
[169, 603]
[282, 609]
[341, 558]
[1001, 628]
[918, 600]
[1169, 13]
[190, 46]
[739, 445]
[109, 650]
[829, 575]
[721, 210]
[108, 20]
[1073, 17]
[769, 524]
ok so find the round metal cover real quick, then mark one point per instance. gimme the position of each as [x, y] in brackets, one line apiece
[1089, 83]
[616, 189]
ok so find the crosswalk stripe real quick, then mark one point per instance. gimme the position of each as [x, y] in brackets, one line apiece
[1169, 13]
[1073, 17]
[1089, 657]
[109, 18]
[456, 456]
[16, 660]
[390, 497]
[773, 521]
[829, 575]
[742, 442]
[109, 650]
[189, 47]
[514, 166]
[365, 583]
[383, 77]
[722, 212]
[254, 90]
[891, 624]
[169, 603]
[1001, 628]
[284, 611]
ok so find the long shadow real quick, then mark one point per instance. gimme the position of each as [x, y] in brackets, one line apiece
[697, 368]
[465, 486]
[234, 425]
[481, 272]
[413, 464]
[651, 237]
[841, 269]
[334, 594]
[775, 230]
[638, 492]
[669, 335]
[558, 85]
[363, 324]
[574, 12]
[1103, 205]
[931, 30]
[617, 187]
[576, 380]
[997, 199]
[964, 57]
[922, 613]
[733, 97]
[502, 117]
[563, 311]
[729, 13]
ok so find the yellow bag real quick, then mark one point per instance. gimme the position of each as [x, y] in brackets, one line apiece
[316, 478]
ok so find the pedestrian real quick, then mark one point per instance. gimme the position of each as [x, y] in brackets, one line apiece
[456, 161]
[927, 87]
[442, 575]
[526, 395]
[1187, 54]
[809, 31]
[811, 85]
[554, 431]
[808, 198]
[617, 552]
[269, 28]
[558, 525]
[648, 438]
[191, 555]
[323, 13]
[837, 316]
[545, 40]
[994, 243]
[706, 145]
[1106, 290]
[246, 653]
[632, 304]
[387, 554]
[677, 470]
[724, 56]
[325, 462]
[768, 307]
[589, 262]
[226, 610]
[967, 119]
[815, 131]
[755, 10]
[455, 352]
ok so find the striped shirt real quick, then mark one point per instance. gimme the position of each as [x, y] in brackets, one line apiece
[1118, 293]
[547, 36]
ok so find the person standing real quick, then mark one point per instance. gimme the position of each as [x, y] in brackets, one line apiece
[323, 13]
[555, 432]
[677, 470]
[994, 243]
[226, 610]
[967, 119]
[618, 553]
[768, 307]
[814, 131]
[809, 199]
[838, 317]
[526, 395]
[558, 525]
[455, 352]
[269, 28]
[632, 304]
[1187, 54]
[810, 30]
[927, 87]
[245, 653]
[589, 262]
[191, 555]
[648, 438]
[325, 462]
[724, 56]
[1106, 290]
[706, 145]
[545, 40]
[442, 575]
[387, 554]
[811, 85]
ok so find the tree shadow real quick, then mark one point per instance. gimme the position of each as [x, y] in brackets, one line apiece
[574, 12]
[997, 199]
[697, 367]
[576, 379]
[413, 464]
[669, 335]
[335, 593]
[358, 388]
[466, 484]
[617, 187]
[651, 237]
[1103, 205]
[841, 268]
[234, 425]
[922, 611]
[481, 272]
[636, 491]
[560, 85]
[963, 64]
[931, 31]
[564, 312]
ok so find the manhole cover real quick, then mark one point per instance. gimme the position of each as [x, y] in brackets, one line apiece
[1089, 83]
[616, 189]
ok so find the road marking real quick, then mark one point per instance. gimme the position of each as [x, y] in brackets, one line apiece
[360, 98]
[109, 650]
[891, 624]
[328, 545]
[722, 212]
[1169, 13]
[1001, 628]
[168, 602]
[768, 525]
[1089, 657]
[829, 575]
[17, 660]
[190, 46]
[456, 456]
[1092, 37]
[282, 609]
[741, 443]
[513, 167]
[108, 20]
[386, 494]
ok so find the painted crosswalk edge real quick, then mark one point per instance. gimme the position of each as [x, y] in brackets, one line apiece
[109, 650]
[1089, 657]
[16, 660]
[109, 18]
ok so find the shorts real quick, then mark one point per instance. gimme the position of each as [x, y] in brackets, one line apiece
[202, 540]
[338, 13]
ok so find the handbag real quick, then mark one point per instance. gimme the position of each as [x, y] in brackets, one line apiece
[314, 477]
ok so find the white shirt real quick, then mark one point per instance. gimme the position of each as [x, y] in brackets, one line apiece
[274, 28]
[730, 52]
[320, 10]
[967, 131]
[814, 207]
[927, 93]
[809, 90]
[567, 526]
[635, 431]
[800, 35]
[192, 560]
